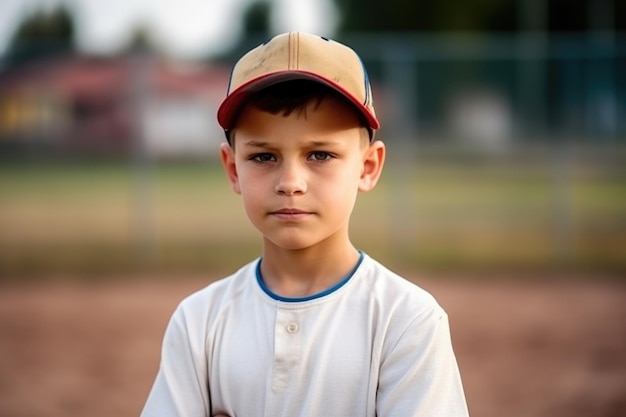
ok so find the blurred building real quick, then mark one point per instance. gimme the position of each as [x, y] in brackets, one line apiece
[111, 105]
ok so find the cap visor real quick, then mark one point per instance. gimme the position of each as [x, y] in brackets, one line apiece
[230, 107]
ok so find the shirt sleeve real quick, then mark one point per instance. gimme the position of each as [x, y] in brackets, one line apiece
[181, 385]
[419, 375]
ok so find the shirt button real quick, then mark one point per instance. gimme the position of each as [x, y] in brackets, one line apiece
[293, 328]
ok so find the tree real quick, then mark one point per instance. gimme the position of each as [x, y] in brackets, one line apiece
[427, 15]
[43, 33]
[256, 19]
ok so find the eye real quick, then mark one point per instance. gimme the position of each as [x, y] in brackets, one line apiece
[320, 156]
[262, 157]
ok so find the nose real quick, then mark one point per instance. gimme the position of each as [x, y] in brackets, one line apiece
[291, 180]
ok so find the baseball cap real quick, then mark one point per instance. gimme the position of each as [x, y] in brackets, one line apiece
[295, 56]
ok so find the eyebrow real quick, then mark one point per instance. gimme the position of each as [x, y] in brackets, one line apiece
[256, 144]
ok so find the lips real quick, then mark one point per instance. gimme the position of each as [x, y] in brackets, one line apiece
[290, 213]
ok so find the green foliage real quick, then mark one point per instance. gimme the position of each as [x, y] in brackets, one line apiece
[407, 15]
[43, 33]
[256, 19]
[43, 26]
[139, 41]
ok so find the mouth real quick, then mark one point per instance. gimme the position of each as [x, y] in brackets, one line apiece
[290, 214]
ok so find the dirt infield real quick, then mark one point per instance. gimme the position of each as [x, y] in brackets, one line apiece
[526, 348]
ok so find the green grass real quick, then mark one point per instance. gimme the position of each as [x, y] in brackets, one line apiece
[107, 217]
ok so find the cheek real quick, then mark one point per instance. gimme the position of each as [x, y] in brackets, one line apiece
[246, 176]
[350, 176]
[253, 191]
[343, 185]
[253, 205]
[251, 181]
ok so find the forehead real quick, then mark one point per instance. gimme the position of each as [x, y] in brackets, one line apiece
[322, 120]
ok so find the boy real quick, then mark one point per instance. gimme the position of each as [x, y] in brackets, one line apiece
[313, 327]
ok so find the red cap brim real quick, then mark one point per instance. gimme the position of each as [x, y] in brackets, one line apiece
[231, 106]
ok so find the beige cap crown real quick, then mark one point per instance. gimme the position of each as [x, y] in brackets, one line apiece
[298, 55]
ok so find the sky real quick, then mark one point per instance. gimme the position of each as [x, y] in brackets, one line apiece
[186, 29]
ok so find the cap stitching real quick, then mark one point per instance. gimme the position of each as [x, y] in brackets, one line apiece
[297, 51]
[290, 53]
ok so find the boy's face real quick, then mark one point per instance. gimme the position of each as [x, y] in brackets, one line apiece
[299, 175]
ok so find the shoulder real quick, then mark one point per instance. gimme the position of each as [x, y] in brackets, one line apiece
[397, 297]
[386, 284]
[219, 294]
[408, 317]
[197, 316]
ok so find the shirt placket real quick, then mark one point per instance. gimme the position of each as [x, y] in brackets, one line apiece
[287, 350]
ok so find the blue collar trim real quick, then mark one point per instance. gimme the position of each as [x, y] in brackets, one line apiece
[324, 293]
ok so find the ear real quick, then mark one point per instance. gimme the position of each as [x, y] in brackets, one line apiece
[227, 156]
[373, 161]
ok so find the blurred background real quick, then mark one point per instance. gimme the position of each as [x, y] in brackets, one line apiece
[504, 191]
[505, 123]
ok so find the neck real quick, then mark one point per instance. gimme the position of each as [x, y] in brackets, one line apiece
[300, 273]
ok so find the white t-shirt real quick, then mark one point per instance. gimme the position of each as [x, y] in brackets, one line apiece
[373, 345]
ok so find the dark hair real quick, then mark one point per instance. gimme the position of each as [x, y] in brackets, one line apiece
[294, 96]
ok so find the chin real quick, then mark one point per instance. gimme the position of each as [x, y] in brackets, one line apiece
[291, 242]
[291, 245]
